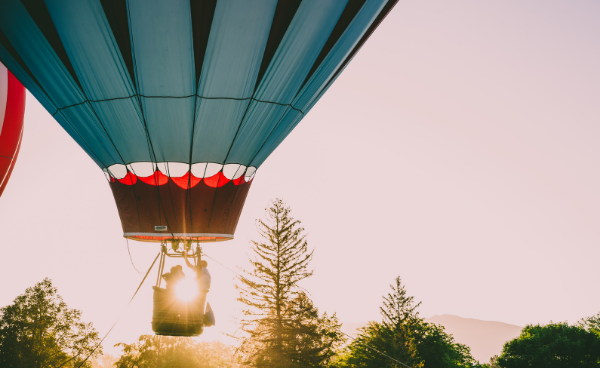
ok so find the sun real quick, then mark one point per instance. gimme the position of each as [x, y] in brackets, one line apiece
[186, 290]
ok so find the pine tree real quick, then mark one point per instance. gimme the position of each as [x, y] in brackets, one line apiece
[395, 336]
[282, 326]
[406, 337]
[398, 308]
[313, 339]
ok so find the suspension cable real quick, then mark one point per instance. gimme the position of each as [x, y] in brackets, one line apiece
[131, 259]
[117, 321]
[222, 265]
[372, 348]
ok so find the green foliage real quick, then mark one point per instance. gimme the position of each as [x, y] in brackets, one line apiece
[182, 352]
[438, 349]
[282, 326]
[492, 364]
[395, 336]
[404, 336]
[555, 345]
[39, 330]
[591, 323]
[374, 339]
[311, 339]
[398, 308]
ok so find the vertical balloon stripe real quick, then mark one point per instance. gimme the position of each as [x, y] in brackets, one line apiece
[380, 17]
[212, 141]
[52, 76]
[239, 34]
[284, 13]
[92, 132]
[102, 73]
[260, 120]
[123, 121]
[169, 123]
[280, 132]
[92, 48]
[161, 35]
[350, 11]
[308, 31]
[202, 16]
[13, 62]
[77, 137]
[39, 13]
[161, 32]
[312, 24]
[338, 53]
[38, 54]
[230, 71]
[116, 15]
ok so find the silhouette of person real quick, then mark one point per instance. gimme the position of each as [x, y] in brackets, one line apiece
[202, 274]
[203, 281]
[173, 277]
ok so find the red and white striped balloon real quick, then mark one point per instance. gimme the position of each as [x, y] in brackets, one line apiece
[12, 109]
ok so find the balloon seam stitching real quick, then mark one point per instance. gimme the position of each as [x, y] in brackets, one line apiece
[188, 96]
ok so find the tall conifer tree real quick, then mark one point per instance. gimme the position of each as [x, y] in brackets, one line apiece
[405, 337]
[282, 326]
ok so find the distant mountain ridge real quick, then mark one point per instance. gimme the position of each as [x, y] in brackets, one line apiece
[485, 338]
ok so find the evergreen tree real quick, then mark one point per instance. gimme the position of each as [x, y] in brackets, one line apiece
[406, 337]
[395, 336]
[282, 326]
[312, 338]
[39, 331]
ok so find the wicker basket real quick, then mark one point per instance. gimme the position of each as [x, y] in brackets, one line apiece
[174, 317]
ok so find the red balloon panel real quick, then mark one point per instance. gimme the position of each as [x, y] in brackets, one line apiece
[12, 110]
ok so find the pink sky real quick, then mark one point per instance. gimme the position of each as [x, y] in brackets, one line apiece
[458, 150]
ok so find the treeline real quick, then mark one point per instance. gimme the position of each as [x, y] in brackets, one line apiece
[553, 345]
[281, 327]
[284, 329]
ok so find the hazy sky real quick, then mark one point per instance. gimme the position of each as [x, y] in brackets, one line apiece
[458, 150]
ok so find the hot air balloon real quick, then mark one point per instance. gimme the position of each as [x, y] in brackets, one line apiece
[181, 101]
[12, 109]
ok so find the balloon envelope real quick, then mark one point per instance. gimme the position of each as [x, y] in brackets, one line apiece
[180, 101]
[12, 109]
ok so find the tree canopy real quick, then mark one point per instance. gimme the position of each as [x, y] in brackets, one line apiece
[182, 352]
[404, 336]
[555, 345]
[591, 323]
[39, 331]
